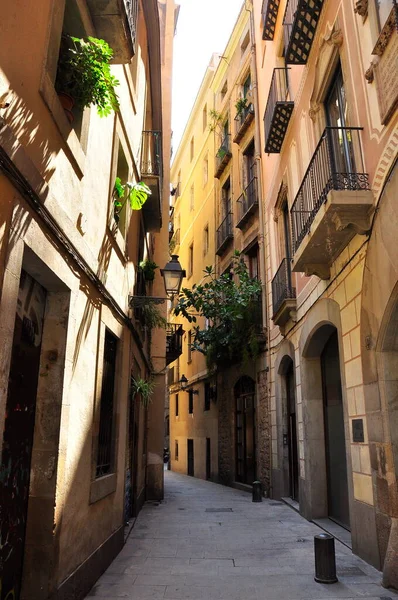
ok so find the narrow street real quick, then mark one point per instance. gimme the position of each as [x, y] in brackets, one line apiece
[209, 541]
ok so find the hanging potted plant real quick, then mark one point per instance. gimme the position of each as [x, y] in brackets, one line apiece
[148, 269]
[144, 389]
[240, 106]
[84, 76]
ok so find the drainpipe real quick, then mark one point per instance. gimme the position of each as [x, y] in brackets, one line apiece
[262, 233]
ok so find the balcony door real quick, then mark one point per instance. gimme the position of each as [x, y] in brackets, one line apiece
[245, 426]
[340, 140]
[249, 165]
[225, 200]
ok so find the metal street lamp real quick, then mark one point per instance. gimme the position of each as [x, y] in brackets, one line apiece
[173, 274]
[184, 385]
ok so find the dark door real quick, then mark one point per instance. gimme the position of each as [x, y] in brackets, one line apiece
[292, 436]
[190, 458]
[18, 433]
[339, 137]
[208, 458]
[336, 462]
[245, 431]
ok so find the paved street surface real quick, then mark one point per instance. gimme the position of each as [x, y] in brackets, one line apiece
[209, 542]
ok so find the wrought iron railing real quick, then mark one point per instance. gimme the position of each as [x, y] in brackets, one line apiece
[225, 231]
[174, 335]
[337, 164]
[270, 14]
[248, 200]
[299, 26]
[278, 93]
[242, 116]
[223, 151]
[131, 7]
[151, 153]
[282, 288]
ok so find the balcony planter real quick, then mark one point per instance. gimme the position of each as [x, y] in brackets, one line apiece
[148, 269]
[84, 74]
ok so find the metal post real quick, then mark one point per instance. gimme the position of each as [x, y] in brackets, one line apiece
[325, 560]
[257, 496]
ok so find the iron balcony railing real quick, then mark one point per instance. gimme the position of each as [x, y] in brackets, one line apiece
[270, 14]
[247, 202]
[131, 7]
[278, 110]
[299, 24]
[282, 288]
[151, 153]
[242, 116]
[224, 233]
[337, 164]
[174, 334]
[224, 152]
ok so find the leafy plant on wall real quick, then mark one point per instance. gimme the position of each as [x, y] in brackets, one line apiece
[136, 193]
[230, 307]
[144, 389]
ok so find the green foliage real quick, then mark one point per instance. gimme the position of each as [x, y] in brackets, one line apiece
[148, 268]
[152, 317]
[84, 73]
[221, 152]
[144, 389]
[231, 308]
[240, 106]
[215, 120]
[138, 195]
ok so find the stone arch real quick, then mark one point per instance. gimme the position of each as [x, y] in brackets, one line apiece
[284, 358]
[321, 322]
[379, 345]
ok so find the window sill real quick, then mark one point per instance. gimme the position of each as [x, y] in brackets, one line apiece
[69, 136]
[102, 487]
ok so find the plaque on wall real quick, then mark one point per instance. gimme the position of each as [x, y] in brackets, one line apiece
[386, 76]
[357, 430]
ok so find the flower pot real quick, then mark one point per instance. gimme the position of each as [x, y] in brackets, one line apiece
[67, 103]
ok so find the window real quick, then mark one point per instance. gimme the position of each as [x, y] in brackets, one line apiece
[189, 345]
[247, 86]
[205, 240]
[224, 90]
[122, 171]
[205, 169]
[249, 164]
[245, 43]
[176, 450]
[192, 149]
[167, 427]
[190, 402]
[105, 437]
[207, 395]
[226, 199]
[253, 265]
[192, 197]
[204, 117]
[190, 260]
[177, 407]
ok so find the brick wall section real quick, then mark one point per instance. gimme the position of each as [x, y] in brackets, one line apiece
[263, 432]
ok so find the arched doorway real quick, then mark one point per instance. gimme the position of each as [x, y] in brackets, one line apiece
[335, 449]
[245, 427]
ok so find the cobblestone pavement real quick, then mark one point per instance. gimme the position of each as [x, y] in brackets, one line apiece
[206, 541]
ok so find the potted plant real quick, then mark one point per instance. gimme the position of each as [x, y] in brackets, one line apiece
[84, 76]
[240, 106]
[221, 152]
[144, 389]
[136, 193]
[148, 269]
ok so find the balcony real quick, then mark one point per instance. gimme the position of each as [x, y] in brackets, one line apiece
[151, 174]
[224, 234]
[223, 156]
[300, 23]
[333, 204]
[115, 21]
[174, 335]
[175, 241]
[270, 14]
[278, 111]
[283, 295]
[242, 122]
[247, 203]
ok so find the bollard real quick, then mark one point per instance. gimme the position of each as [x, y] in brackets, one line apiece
[325, 560]
[256, 492]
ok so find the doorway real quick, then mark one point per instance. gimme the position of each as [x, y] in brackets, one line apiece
[190, 469]
[245, 444]
[292, 434]
[18, 431]
[335, 450]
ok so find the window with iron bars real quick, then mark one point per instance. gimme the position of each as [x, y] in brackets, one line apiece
[105, 435]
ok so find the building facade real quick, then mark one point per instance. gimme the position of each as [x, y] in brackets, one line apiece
[329, 165]
[79, 452]
[219, 426]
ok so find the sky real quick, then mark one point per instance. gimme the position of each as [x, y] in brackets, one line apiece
[204, 27]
